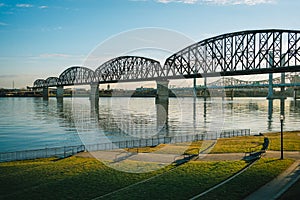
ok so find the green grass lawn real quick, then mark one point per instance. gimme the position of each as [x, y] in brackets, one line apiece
[291, 141]
[179, 148]
[87, 178]
[183, 182]
[256, 176]
[240, 144]
[79, 178]
[247, 143]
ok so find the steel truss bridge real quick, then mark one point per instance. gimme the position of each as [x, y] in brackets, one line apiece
[238, 53]
[232, 83]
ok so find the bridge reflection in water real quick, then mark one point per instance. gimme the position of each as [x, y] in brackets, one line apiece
[115, 120]
[126, 121]
[104, 125]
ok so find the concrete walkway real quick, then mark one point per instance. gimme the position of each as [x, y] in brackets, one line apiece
[274, 189]
[121, 155]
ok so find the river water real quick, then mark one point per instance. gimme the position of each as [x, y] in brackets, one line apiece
[33, 123]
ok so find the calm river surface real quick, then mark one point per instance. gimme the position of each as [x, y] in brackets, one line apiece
[32, 123]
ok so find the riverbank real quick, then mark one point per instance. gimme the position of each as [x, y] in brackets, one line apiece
[87, 178]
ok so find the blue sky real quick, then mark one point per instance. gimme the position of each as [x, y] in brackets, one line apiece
[42, 38]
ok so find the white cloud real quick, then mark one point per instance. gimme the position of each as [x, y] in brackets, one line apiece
[220, 2]
[55, 55]
[178, 1]
[24, 5]
[189, 1]
[43, 7]
[3, 24]
[239, 2]
[59, 28]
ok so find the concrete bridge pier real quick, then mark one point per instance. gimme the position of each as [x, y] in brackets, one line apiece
[60, 105]
[270, 92]
[204, 108]
[296, 79]
[94, 114]
[162, 112]
[162, 106]
[282, 95]
[162, 93]
[205, 92]
[282, 105]
[195, 87]
[194, 112]
[94, 94]
[60, 92]
[271, 65]
[231, 94]
[296, 94]
[270, 109]
[45, 93]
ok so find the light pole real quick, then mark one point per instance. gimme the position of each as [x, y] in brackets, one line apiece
[281, 135]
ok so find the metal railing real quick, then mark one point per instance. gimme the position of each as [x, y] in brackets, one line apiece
[60, 152]
[66, 151]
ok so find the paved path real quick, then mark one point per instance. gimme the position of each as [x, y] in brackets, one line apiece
[276, 154]
[121, 155]
[275, 188]
[116, 155]
[272, 190]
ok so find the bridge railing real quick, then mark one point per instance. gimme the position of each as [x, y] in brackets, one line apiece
[66, 151]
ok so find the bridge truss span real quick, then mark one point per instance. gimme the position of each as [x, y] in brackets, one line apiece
[51, 81]
[239, 53]
[77, 75]
[128, 68]
[39, 83]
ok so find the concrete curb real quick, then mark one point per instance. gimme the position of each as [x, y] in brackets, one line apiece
[295, 176]
[275, 188]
